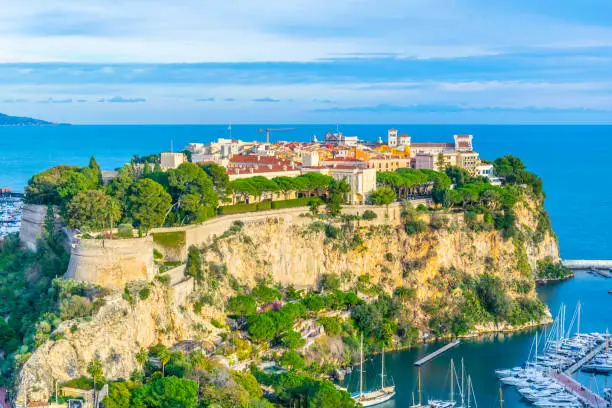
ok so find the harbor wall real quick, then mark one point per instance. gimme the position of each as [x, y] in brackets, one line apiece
[587, 264]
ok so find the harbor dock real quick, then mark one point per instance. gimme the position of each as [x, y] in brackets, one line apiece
[580, 363]
[586, 396]
[587, 264]
[436, 353]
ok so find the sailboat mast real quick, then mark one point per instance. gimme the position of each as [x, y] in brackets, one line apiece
[462, 383]
[578, 326]
[452, 380]
[420, 393]
[361, 368]
[469, 386]
[536, 348]
[382, 370]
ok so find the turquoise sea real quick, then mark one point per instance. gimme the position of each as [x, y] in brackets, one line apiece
[572, 160]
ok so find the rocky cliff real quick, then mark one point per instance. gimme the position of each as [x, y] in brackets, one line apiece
[366, 255]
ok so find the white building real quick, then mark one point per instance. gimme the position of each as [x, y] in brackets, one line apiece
[403, 141]
[392, 137]
[310, 159]
[361, 180]
[488, 171]
[195, 147]
[171, 160]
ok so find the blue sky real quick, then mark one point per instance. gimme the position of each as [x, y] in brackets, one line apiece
[307, 61]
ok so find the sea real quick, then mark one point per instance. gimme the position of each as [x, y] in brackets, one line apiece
[572, 160]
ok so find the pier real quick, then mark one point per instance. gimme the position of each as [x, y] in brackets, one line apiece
[587, 264]
[588, 398]
[580, 363]
[436, 353]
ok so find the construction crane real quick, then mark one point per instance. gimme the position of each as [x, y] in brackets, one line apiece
[270, 130]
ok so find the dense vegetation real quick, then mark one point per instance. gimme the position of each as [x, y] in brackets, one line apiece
[549, 270]
[33, 299]
[146, 197]
[266, 318]
[180, 380]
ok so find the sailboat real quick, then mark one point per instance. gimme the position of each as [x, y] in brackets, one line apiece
[375, 397]
[451, 402]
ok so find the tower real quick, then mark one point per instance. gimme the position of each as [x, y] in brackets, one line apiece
[392, 137]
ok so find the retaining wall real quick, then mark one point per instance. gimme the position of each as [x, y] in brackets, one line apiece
[112, 263]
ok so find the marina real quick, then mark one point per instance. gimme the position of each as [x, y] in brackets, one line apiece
[545, 379]
[11, 205]
[485, 354]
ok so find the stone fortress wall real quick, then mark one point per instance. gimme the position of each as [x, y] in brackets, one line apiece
[113, 263]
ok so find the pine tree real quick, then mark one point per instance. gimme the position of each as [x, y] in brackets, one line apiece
[49, 222]
[95, 167]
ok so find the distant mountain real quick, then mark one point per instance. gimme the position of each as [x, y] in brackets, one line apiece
[6, 120]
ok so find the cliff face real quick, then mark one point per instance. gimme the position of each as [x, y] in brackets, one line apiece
[364, 256]
[298, 255]
[114, 336]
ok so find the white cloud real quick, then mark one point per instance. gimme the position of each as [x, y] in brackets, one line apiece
[272, 30]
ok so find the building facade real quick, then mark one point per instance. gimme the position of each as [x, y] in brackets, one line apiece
[171, 160]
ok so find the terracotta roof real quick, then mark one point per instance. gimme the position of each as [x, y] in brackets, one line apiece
[258, 160]
[432, 145]
[260, 170]
[344, 159]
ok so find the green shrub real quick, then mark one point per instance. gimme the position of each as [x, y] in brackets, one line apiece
[266, 294]
[330, 281]
[242, 305]
[264, 205]
[75, 307]
[369, 215]
[415, 227]
[164, 279]
[237, 208]
[172, 240]
[144, 293]
[332, 231]
[332, 325]
[297, 202]
[217, 324]
[125, 231]
[292, 340]
[548, 269]
[157, 255]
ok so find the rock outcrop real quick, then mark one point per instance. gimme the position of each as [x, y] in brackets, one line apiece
[292, 254]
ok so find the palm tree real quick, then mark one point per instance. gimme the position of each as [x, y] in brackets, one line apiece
[94, 368]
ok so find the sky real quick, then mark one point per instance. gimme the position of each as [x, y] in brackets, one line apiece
[307, 61]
